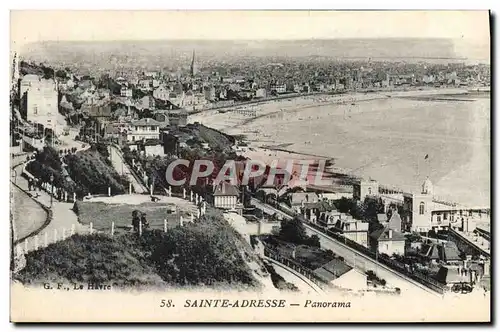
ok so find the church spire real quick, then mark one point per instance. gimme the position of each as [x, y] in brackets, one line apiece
[193, 65]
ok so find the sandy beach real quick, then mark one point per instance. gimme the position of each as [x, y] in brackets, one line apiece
[381, 135]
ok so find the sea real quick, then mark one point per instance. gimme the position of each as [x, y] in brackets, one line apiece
[396, 141]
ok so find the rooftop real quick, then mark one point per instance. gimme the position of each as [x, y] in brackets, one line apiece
[146, 122]
[382, 234]
[306, 197]
[332, 270]
[226, 189]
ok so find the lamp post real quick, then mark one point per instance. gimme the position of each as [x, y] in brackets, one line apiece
[51, 189]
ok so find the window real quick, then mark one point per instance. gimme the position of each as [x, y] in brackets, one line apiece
[439, 218]
[445, 216]
[421, 209]
[369, 190]
[35, 109]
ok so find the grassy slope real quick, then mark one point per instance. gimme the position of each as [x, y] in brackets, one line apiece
[90, 170]
[102, 215]
[206, 253]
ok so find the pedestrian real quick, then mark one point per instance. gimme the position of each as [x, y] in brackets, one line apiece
[30, 182]
[144, 221]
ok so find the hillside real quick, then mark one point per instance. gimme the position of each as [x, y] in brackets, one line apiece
[208, 252]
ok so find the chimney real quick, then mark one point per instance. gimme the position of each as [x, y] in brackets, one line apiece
[390, 233]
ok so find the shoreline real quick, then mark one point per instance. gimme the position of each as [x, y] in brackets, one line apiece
[421, 91]
[235, 124]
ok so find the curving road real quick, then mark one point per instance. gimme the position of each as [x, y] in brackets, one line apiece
[304, 285]
[27, 215]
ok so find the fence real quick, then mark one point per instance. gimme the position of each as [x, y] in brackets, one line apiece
[385, 260]
[57, 193]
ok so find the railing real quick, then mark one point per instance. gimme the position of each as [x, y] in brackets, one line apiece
[392, 264]
[469, 242]
[133, 172]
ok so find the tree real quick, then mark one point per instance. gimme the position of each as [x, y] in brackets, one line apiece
[293, 231]
[314, 241]
[343, 205]
[48, 73]
[372, 207]
[61, 74]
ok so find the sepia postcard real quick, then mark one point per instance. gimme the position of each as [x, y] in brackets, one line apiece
[250, 166]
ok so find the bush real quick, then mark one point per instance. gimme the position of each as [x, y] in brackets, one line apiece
[208, 252]
[93, 174]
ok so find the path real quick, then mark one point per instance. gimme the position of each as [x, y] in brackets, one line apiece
[63, 217]
[122, 168]
[305, 286]
[27, 215]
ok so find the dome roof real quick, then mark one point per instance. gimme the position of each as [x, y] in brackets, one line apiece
[427, 187]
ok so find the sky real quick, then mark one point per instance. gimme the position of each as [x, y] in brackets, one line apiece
[31, 26]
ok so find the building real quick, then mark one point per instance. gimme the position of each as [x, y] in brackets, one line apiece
[446, 252]
[113, 130]
[355, 230]
[153, 148]
[279, 88]
[126, 92]
[146, 102]
[261, 93]
[332, 197]
[387, 241]
[161, 93]
[151, 74]
[143, 129]
[471, 272]
[100, 113]
[39, 101]
[225, 196]
[209, 92]
[419, 207]
[162, 117]
[177, 118]
[363, 188]
[395, 221]
[145, 85]
[297, 200]
[338, 273]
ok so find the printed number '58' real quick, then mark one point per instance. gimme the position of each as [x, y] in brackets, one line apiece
[166, 304]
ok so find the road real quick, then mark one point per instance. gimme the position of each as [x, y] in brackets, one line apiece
[122, 168]
[27, 215]
[28, 221]
[360, 261]
[305, 286]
